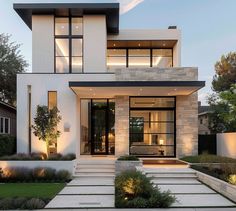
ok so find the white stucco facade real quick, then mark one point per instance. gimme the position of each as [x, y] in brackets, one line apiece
[95, 41]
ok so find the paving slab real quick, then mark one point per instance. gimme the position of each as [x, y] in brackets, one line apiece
[92, 181]
[202, 200]
[191, 189]
[175, 181]
[73, 190]
[81, 201]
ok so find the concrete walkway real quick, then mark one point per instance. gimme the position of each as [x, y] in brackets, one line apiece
[183, 183]
[92, 186]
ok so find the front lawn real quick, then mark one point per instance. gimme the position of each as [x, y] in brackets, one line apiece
[205, 158]
[30, 190]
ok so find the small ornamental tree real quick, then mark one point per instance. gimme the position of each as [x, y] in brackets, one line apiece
[45, 122]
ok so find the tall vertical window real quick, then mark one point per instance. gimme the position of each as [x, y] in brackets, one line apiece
[68, 45]
[4, 125]
[52, 102]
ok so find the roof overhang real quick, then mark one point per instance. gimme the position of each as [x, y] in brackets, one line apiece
[109, 89]
[111, 10]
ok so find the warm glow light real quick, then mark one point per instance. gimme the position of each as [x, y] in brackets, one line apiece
[161, 142]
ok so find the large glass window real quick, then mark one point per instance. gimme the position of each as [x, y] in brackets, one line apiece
[152, 126]
[139, 58]
[116, 58]
[61, 26]
[97, 126]
[68, 45]
[52, 102]
[162, 58]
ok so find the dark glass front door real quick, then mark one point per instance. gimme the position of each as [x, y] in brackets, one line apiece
[102, 127]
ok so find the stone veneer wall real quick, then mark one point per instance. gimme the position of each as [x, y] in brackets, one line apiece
[121, 125]
[186, 125]
[157, 74]
[186, 108]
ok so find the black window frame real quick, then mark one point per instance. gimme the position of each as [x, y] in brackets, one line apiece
[3, 125]
[141, 48]
[157, 109]
[70, 37]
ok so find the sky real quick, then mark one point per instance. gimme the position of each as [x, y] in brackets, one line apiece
[208, 28]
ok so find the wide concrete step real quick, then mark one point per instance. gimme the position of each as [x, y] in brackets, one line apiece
[172, 175]
[91, 190]
[92, 166]
[168, 170]
[202, 200]
[95, 170]
[94, 174]
[90, 181]
[175, 181]
[96, 162]
[184, 189]
[81, 201]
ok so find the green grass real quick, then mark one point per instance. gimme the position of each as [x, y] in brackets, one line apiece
[37, 190]
[205, 158]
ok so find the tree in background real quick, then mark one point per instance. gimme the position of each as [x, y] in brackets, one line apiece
[11, 63]
[225, 70]
[223, 101]
[46, 121]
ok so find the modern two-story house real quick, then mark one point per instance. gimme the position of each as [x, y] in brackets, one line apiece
[118, 91]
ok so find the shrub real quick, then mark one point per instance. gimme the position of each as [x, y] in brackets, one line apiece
[232, 179]
[8, 145]
[18, 202]
[42, 173]
[70, 156]
[56, 156]
[206, 158]
[16, 173]
[6, 204]
[34, 203]
[21, 174]
[135, 190]
[63, 175]
[128, 157]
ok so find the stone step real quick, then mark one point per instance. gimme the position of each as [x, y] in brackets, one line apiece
[95, 162]
[99, 170]
[91, 181]
[81, 201]
[94, 174]
[191, 189]
[94, 166]
[92, 190]
[202, 200]
[172, 175]
[169, 170]
[175, 181]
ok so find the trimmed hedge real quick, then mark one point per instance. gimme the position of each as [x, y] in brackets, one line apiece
[39, 156]
[40, 174]
[8, 145]
[22, 203]
[134, 190]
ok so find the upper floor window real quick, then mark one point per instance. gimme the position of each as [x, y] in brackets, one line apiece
[68, 45]
[139, 58]
[4, 125]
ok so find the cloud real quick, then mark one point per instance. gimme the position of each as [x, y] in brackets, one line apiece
[127, 5]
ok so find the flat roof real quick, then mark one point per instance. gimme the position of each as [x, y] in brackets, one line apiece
[109, 89]
[111, 10]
